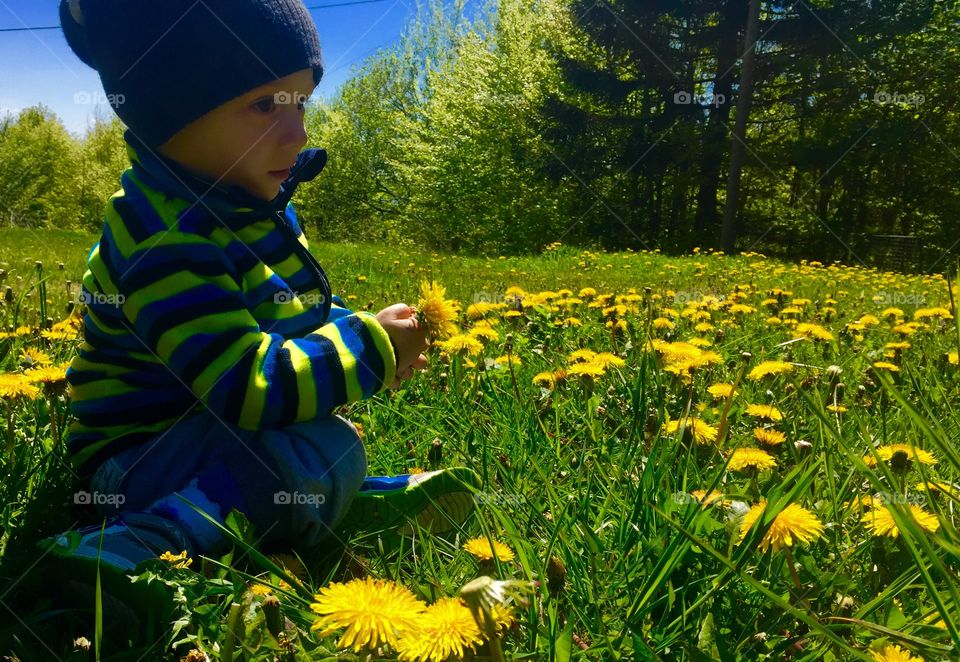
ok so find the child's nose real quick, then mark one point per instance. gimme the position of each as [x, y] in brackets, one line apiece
[293, 131]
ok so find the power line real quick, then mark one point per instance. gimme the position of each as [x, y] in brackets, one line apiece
[327, 6]
[45, 27]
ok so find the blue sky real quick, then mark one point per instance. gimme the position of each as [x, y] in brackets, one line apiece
[39, 67]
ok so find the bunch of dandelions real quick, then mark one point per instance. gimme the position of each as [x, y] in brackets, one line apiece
[437, 313]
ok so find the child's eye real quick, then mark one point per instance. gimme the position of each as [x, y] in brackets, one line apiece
[264, 105]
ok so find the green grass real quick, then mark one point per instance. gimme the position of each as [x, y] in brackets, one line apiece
[583, 476]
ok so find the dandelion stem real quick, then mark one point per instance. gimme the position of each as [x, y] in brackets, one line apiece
[51, 405]
[796, 578]
[10, 442]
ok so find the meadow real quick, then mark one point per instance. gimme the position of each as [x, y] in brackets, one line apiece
[702, 457]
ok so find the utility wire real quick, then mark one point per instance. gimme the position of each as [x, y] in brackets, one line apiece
[328, 6]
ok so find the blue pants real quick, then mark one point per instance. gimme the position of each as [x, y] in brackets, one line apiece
[293, 484]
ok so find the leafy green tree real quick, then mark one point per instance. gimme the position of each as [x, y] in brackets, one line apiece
[37, 158]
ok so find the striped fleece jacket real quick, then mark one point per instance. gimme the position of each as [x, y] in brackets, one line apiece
[205, 297]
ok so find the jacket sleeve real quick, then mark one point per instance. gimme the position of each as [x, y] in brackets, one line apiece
[186, 305]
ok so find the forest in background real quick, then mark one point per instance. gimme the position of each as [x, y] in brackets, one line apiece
[499, 127]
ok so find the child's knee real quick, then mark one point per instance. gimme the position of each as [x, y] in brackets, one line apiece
[321, 466]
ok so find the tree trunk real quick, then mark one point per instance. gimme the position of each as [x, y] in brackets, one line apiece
[716, 130]
[737, 148]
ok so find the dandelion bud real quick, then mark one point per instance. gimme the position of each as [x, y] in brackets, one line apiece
[802, 444]
[38, 264]
[435, 454]
[8, 294]
[272, 615]
[556, 575]
[834, 372]
[746, 356]
[81, 644]
[60, 266]
[789, 388]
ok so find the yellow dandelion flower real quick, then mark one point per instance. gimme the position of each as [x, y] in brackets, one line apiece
[836, 409]
[791, 525]
[34, 357]
[751, 458]
[437, 312]
[894, 313]
[46, 375]
[511, 359]
[720, 391]
[888, 452]
[260, 589]
[812, 332]
[929, 313]
[484, 333]
[886, 365]
[587, 293]
[461, 344]
[586, 369]
[581, 355]
[607, 360]
[703, 433]
[768, 368]
[445, 629]
[13, 385]
[953, 358]
[373, 612]
[893, 653]
[897, 345]
[907, 329]
[946, 488]
[768, 412]
[572, 321]
[663, 323]
[879, 520]
[510, 314]
[485, 549]
[769, 437]
[180, 560]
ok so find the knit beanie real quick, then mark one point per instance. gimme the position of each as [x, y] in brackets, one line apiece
[166, 63]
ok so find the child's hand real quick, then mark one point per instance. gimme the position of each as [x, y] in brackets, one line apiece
[408, 337]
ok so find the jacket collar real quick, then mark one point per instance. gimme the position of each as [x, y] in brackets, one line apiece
[226, 201]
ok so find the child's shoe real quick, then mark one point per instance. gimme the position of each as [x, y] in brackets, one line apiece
[432, 501]
[129, 541]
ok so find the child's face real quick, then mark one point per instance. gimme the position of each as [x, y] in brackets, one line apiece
[250, 141]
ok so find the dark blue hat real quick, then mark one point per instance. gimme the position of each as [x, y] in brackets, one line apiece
[166, 63]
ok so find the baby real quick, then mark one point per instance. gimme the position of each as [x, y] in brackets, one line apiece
[214, 353]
